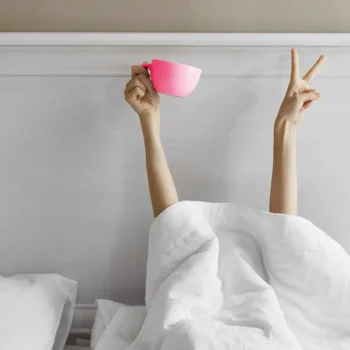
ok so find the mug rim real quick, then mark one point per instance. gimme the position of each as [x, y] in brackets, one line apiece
[179, 64]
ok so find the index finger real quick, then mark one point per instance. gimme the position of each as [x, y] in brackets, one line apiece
[294, 74]
[314, 69]
[136, 70]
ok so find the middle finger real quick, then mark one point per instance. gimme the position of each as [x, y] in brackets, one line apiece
[314, 69]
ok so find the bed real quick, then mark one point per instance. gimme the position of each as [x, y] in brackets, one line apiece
[74, 191]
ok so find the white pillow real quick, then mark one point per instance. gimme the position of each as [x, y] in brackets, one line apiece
[36, 311]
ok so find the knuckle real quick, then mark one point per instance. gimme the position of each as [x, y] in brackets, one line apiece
[135, 81]
[140, 77]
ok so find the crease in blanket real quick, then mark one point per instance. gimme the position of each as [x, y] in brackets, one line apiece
[223, 276]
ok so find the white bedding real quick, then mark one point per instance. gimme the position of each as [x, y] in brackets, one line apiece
[221, 276]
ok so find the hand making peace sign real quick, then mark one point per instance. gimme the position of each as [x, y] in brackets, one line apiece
[299, 97]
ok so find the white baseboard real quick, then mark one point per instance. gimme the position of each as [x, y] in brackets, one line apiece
[84, 316]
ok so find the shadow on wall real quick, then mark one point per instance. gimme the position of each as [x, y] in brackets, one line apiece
[199, 147]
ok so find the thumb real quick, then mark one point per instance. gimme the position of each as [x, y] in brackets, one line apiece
[310, 95]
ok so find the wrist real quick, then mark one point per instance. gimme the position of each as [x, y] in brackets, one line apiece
[150, 125]
[283, 124]
[284, 134]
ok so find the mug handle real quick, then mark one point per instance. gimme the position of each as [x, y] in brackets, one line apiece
[146, 65]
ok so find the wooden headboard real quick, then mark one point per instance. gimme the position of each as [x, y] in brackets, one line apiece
[74, 196]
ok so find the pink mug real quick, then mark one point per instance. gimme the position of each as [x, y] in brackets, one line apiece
[172, 78]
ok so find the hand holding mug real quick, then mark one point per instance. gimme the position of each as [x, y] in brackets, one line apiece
[140, 93]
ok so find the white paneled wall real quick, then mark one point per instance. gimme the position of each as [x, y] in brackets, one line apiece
[74, 196]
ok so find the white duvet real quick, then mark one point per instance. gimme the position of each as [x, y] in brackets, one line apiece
[225, 277]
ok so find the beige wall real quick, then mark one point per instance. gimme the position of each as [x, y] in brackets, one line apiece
[175, 16]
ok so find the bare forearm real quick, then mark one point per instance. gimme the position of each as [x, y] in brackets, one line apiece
[161, 185]
[298, 98]
[283, 197]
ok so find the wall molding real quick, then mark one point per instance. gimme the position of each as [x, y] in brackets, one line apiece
[174, 39]
[218, 54]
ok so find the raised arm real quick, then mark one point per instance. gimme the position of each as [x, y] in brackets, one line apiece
[298, 98]
[142, 97]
